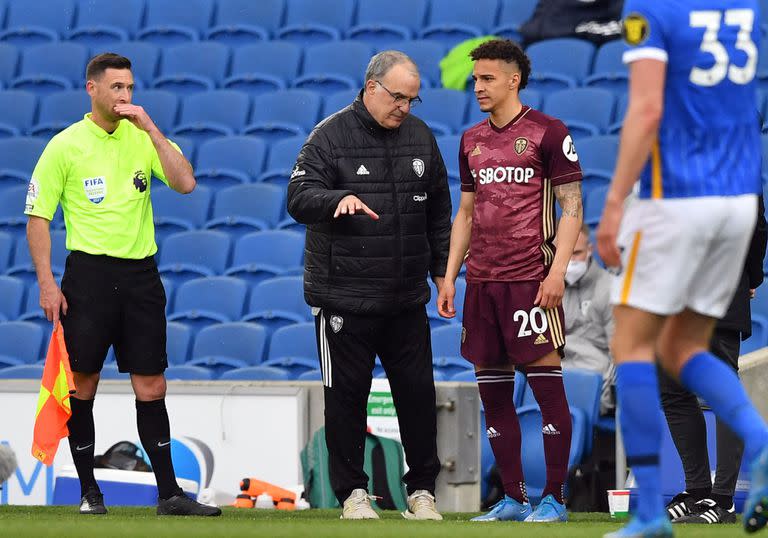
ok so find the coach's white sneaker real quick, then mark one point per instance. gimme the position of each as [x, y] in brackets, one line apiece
[358, 506]
[421, 505]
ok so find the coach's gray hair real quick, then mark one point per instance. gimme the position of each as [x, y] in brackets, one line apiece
[382, 62]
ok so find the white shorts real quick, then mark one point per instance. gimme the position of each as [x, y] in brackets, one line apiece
[683, 253]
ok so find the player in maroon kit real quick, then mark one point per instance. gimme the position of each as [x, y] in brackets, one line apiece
[513, 165]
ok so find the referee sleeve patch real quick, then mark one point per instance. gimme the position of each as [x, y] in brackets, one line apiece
[635, 29]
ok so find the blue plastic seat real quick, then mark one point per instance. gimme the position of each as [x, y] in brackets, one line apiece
[144, 57]
[178, 342]
[31, 310]
[192, 67]
[759, 304]
[264, 67]
[442, 109]
[109, 372]
[454, 21]
[586, 111]
[174, 212]
[759, 337]
[205, 301]
[51, 67]
[446, 350]
[261, 255]
[449, 149]
[231, 160]
[294, 349]
[187, 255]
[309, 22]
[6, 248]
[555, 70]
[593, 205]
[609, 71]
[336, 101]
[11, 296]
[24, 371]
[382, 21]
[17, 112]
[167, 23]
[512, 15]
[212, 114]
[241, 22]
[170, 289]
[597, 155]
[278, 115]
[226, 346]
[455, 190]
[426, 54]
[21, 342]
[256, 373]
[247, 208]
[188, 372]
[98, 22]
[334, 66]
[311, 375]
[278, 302]
[60, 110]
[9, 62]
[161, 105]
[22, 266]
[621, 110]
[12, 218]
[281, 160]
[35, 23]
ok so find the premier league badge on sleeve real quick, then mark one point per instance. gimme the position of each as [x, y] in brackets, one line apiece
[95, 188]
[418, 167]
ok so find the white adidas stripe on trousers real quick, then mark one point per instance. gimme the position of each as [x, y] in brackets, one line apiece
[325, 353]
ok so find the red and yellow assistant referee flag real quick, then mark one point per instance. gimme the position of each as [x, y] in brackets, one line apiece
[53, 409]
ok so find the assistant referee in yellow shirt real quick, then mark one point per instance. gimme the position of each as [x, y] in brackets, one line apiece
[99, 170]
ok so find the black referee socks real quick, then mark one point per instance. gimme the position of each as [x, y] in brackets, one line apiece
[155, 435]
[81, 441]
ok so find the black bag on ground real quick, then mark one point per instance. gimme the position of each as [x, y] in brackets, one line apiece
[125, 456]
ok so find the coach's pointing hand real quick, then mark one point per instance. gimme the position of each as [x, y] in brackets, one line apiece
[351, 205]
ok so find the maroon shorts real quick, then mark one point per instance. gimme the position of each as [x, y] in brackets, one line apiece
[501, 325]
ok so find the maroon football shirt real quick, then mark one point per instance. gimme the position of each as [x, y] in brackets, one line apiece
[512, 172]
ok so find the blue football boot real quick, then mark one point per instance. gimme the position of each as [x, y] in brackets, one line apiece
[756, 507]
[657, 528]
[548, 511]
[507, 509]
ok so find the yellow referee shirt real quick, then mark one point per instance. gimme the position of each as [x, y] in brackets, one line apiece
[102, 181]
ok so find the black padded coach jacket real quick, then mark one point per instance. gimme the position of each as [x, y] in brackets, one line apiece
[353, 263]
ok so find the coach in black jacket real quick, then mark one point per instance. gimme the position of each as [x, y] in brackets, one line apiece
[372, 188]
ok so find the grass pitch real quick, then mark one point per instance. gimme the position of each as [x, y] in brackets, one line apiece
[58, 521]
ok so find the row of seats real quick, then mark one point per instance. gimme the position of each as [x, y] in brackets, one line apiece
[237, 22]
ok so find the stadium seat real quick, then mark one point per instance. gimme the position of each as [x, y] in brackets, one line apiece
[247, 208]
[24, 371]
[256, 373]
[277, 115]
[294, 348]
[144, 57]
[188, 372]
[266, 254]
[278, 302]
[161, 105]
[759, 304]
[12, 218]
[187, 255]
[609, 71]
[109, 372]
[586, 111]
[241, 22]
[60, 110]
[99, 23]
[336, 101]
[23, 267]
[442, 109]
[309, 22]
[178, 342]
[6, 248]
[11, 296]
[32, 312]
[291, 225]
[282, 157]
[334, 66]
[229, 345]
[170, 290]
[33, 23]
[435, 321]
[192, 67]
[512, 15]
[167, 23]
[231, 160]
[204, 301]
[427, 55]
[211, 114]
[455, 202]
[597, 155]
[21, 342]
[311, 375]
[759, 337]
[51, 67]
[9, 62]
[556, 70]
[264, 67]
[174, 212]
[449, 149]
[382, 21]
[446, 350]
[454, 21]
[17, 112]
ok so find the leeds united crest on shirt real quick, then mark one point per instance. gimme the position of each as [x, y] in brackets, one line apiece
[336, 323]
[418, 167]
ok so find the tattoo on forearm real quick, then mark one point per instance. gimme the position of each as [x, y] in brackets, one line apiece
[569, 198]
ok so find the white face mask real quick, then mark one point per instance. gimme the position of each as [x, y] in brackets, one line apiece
[575, 270]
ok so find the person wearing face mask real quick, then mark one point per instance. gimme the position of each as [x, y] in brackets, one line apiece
[588, 317]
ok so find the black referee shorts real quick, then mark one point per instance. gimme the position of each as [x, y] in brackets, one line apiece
[114, 302]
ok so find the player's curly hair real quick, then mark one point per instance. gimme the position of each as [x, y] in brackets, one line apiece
[508, 51]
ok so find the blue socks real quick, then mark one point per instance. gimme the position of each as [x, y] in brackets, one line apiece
[637, 391]
[708, 377]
